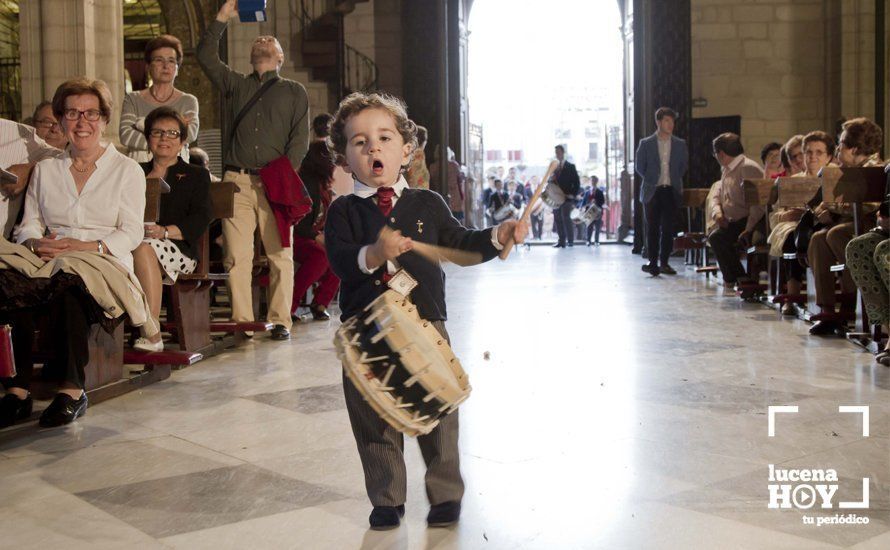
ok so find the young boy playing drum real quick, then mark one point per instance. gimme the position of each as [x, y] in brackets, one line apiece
[375, 138]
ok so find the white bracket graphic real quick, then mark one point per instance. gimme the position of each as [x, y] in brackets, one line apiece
[861, 409]
[771, 417]
[861, 504]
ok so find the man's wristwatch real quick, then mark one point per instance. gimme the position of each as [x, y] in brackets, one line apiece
[101, 247]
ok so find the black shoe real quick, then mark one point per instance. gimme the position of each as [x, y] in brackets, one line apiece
[320, 313]
[63, 410]
[571, 244]
[12, 409]
[280, 332]
[652, 269]
[559, 245]
[444, 514]
[383, 518]
[824, 328]
[668, 270]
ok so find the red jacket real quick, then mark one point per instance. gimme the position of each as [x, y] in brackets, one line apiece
[286, 194]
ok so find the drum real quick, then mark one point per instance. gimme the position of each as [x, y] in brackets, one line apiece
[553, 195]
[576, 215]
[505, 213]
[591, 214]
[401, 365]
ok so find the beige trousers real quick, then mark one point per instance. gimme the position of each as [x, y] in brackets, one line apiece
[252, 211]
[826, 249]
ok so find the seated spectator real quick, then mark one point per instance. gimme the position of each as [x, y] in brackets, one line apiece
[860, 145]
[48, 126]
[20, 149]
[792, 156]
[170, 246]
[199, 157]
[868, 259]
[736, 221]
[91, 199]
[418, 175]
[317, 173]
[785, 221]
[163, 55]
[771, 157]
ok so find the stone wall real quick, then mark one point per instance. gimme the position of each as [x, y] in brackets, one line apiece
[784, 66]
[62, 39]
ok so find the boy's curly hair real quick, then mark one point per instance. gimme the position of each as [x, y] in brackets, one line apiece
[357, 102]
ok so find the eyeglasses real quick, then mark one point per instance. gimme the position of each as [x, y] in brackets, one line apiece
[164, 61]
[91, 115]
[172, 134]
[47, 124]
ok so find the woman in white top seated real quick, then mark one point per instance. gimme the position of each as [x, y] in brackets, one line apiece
[92, 198]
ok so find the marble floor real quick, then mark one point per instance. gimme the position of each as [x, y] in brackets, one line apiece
[610, 410]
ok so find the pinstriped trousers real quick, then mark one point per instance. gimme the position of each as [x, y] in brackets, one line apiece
[380, 447]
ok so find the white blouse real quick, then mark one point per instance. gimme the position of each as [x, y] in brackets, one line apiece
[110, 208]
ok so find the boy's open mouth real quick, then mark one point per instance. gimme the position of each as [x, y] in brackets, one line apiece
[377, 167]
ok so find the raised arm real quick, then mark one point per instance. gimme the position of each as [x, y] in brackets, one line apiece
[207, 52]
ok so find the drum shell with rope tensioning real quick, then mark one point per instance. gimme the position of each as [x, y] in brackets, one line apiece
[401, 365]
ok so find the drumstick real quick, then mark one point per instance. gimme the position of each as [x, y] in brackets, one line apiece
[508, 246]
[435, 253]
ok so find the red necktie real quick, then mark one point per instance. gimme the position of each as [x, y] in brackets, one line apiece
[384, 203]
[384, 199]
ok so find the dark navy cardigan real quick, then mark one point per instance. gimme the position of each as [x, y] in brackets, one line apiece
[354, 222]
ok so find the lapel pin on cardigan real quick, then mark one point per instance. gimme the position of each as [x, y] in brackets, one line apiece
[419, 226]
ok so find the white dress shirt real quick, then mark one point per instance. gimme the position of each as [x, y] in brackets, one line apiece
[110, 208]
[366, 191]
[664, 156]
[19, 144]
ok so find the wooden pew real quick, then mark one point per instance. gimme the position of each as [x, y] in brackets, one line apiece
[855, 186]
[105, 374]
[693, 242]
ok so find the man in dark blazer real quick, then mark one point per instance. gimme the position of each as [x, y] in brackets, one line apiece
[566, 176]
[661, 160]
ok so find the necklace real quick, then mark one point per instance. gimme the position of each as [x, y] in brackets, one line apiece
[151, 91]
[83, 170]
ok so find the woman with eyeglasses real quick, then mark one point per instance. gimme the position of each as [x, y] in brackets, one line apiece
[170, 246]
[163, 56]
[90, 199]
[48, 127]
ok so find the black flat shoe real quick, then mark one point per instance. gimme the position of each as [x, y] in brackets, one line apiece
[559, 245]
[444, 514]
[651, 269]
[13, 409]
[320, 313]
[383, 518]
[280, 332]
[824, 328]
[63, 410]
[668, 270]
